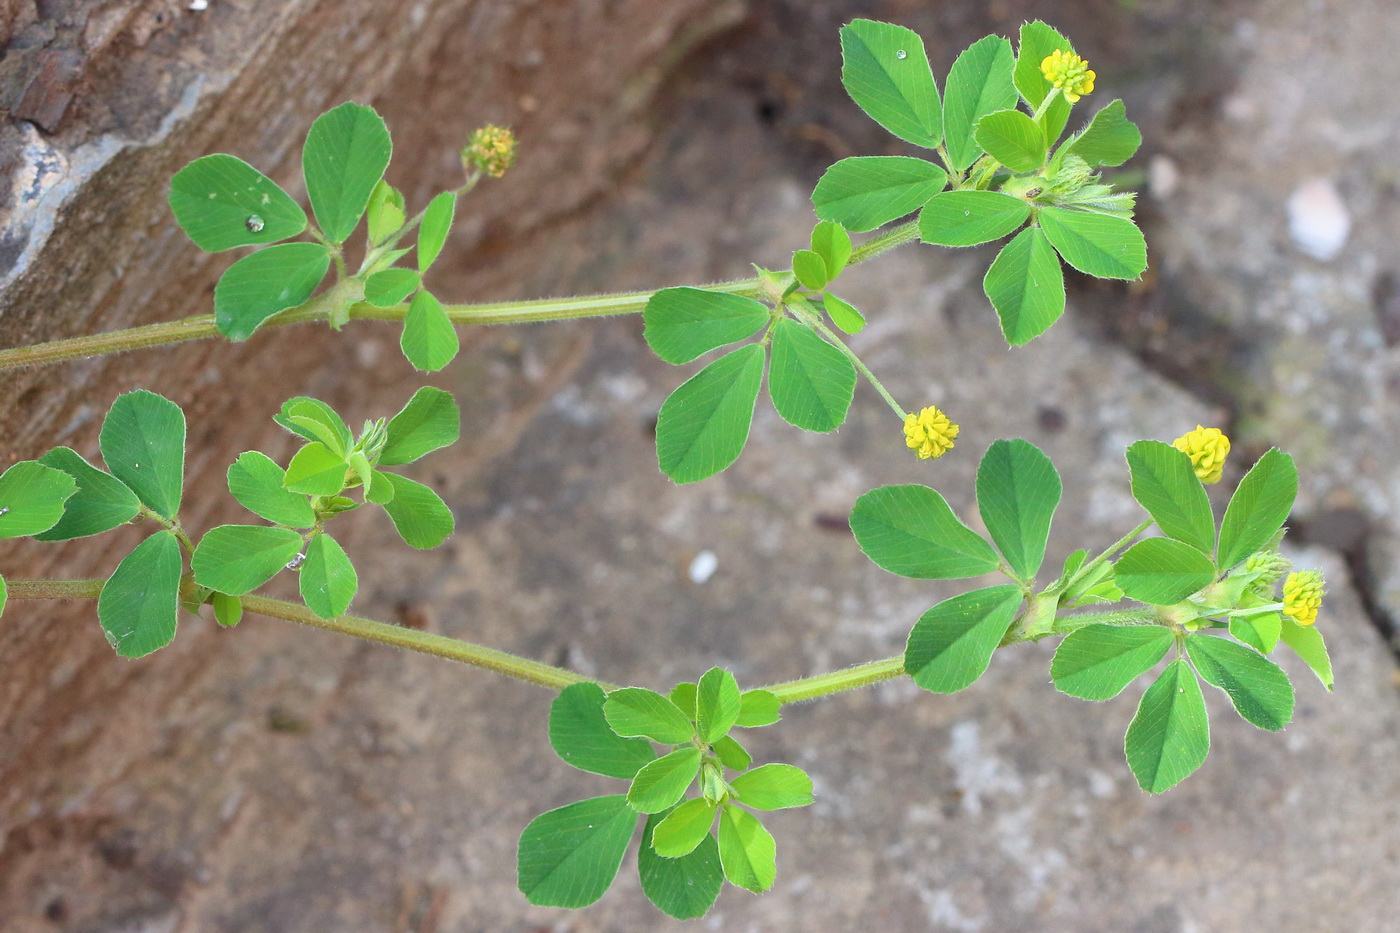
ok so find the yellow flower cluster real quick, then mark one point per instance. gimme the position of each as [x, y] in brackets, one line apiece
[491, 149]
[1302, 596]
[1207, 448]
[1068, 72]
[930, 433]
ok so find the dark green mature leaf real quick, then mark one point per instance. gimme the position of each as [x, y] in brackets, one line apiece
[810, 381]
[911, 531]
[638, 711]
[1306, 642]
[389, 287]
[143, 444]
[1258, 688]
[141, 599]
[429, 339]
[704, 424]
[316, 470]
[683, 887]
[101, 502]
[256, 481]
[773, 787]
[266, 282]
[978, 84]
[237, 559]
[347, 150]
[1258, 508]
[32, 497]
[1018, 489]
[579, 734]
[885, 70]
[865, 192]
[1100, 245]
[1109, 139]
[1162, 571]
[661, 784]
[419, 515]
[746, 850]
[952, 644]
[568, 857]
[1097, 661]
[717, 704]
[430, 421]
[436, 225]
[1169, 736]
[683, 323]
[966, 218]
[1165, 484]
[684, 828]
[1013, 139]
[1026, 286]
[221, 202]
[1037, 41]
[328, 579]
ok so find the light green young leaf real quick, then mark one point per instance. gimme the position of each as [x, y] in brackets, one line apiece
[141, 599]
[1013, 139]
[638, 711]
[257, 482]
[385, 212]
[1258, 508]
[347, 150]
[660, 784]
[731, 754]
[684, 828]
[568, 857]
[978, 84]
[436, 225]
[1109, 139]
[1169, 736]
[1037, 41]
[32, 497]
[143, 444]
[1026, 286]
[316, 470]
[683, 323]
[911, 531]
[746, 850]
[810, 381]
[1306, 642]
[1260, 631]
[1100, 245]
[966, 218]
[314, 420]
[952, 644]
[684, 887]
[832, 243]
[759, 708]
[810, 270]
[843, 314]
[1097, 661]
[266, 282]
[419, 515]
[1162, 571]
[885, 70]
[717, 704]
[1165, 484]
[865, 192]
[1018, 490]
[328, 579]
[228, 610]
[683, 695]
[222, 202]
[773, 787]
[381, 489]
[237, 559]
[389, 287]
[1258, 688]
[429, 339]
[579, 734]
[704, 424]
[101, 502]
[430, 421]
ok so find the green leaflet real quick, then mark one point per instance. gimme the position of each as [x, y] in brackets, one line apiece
[347, 150]
[419, 515]
[266, 282]
[1037, 41]
[717, 704]
[746, 850]
[316, 470]
[430, 421]
[237, 559]
[433, 231]
[1018, 489]
[141, 599]
[1100, 245]
[686, 886]
[222, 202]
[843, 314]
[256, 481]
[328, 580]
[758, 708]
[683, 323]
[773, 787]
[389, 287]
[810, 381]
[1306, 642]
[1026, 286]
[1013, 139]
[638, 711]
[966, 218]
[684, 828]
[911, 531]
[832, 243]
[1258, 688]
[704, 424]
[143, 444]
[1161, 571]
[1097, 661]
[660, 784]
[1258, 508]
[810, 270]
[1165, 484]
[1109, 139]
[32, 497]
[579, 734]
[429, 340]
[952, 644]
[100, 503]
[314, 420]
[865, 192]
[885, 70]
[568, 857]
[978, 84]
[1169, 736]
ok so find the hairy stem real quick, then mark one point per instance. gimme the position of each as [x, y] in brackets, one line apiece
[850, 678]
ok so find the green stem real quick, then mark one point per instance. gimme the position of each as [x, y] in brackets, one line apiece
[1066, 624]
[904, 233]
[811, 317]
[1091, 565]
[851, 678]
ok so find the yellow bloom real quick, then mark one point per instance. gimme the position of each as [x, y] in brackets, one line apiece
[1302, 596]
[1068, 72]
[930, 433]
[491, 149]
[1207, 448]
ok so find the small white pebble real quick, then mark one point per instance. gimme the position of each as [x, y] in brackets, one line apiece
[1317, 219]
[703, 567]
[1162, 177]
[198, 5]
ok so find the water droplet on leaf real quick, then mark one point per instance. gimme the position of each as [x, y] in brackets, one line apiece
[296, 562]
[4, 509]
[254, 223]
[901, 55]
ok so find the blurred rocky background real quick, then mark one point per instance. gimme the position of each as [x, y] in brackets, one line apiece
[271, 778]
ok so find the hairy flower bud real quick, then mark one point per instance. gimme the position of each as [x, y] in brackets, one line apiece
[930, 433]
[1207, 448]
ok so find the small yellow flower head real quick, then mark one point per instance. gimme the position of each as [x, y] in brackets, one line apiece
[1302, 596]
[1068, 72]
[930, 433]
[1207, 448]
[491, 149]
